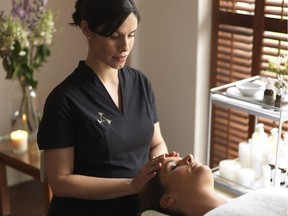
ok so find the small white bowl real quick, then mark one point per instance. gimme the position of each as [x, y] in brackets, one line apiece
[249, 89]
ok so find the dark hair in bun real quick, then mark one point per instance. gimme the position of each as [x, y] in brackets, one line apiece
[103, 16]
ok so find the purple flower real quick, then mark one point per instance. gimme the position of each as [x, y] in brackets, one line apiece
[28, 27]
[29, 11]
[44, 2]
[21, 9]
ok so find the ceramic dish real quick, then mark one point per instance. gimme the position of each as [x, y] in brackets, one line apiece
[234, 91]
[249, 89]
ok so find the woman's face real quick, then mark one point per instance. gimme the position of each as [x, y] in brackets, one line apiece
[112, 51]
[185, 175]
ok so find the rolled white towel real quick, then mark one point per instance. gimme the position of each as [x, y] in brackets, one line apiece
[152, 213]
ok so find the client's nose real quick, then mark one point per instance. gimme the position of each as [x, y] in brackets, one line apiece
[188, 159]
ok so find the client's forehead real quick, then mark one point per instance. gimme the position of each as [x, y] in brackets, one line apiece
[167, 161]
[170, 159]
[164, 170]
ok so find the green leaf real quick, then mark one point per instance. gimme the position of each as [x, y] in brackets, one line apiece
[41, 55]
[25, 75]
[8, 68]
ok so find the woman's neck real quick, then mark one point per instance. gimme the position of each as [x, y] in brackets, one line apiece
[203, 204]
[110, 80]
[106, 74]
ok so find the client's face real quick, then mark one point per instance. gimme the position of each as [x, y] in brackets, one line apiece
[185, 175]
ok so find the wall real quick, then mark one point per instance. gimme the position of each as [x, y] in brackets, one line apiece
[173, 50]
[68, 47]
[172, 45]
[204, 20]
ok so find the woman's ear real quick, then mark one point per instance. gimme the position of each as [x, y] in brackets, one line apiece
[167, 200]
[85, 28]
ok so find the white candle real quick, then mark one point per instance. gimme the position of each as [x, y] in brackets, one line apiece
[228, 169]
[19, 140]
[244, 154]
[246, 177]
[256, 161]
[278, 178]
[266, 175]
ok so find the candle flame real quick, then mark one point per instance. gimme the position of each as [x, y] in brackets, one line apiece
[24, 117]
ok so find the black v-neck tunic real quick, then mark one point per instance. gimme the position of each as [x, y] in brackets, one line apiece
[108, 143]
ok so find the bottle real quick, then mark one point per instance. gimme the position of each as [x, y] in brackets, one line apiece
[283, 175]
[272, 160]
[284, 149]
[277, 102]
[259, 137]
[286, 180]
[273, 140]
[283, 160]
[277, 179]
[266, 175]
[269, 93]
[258, 142]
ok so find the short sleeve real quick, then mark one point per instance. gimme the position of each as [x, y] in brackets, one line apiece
[56, 127]
[153, 104]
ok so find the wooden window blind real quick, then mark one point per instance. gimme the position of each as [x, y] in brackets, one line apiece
[245, 34]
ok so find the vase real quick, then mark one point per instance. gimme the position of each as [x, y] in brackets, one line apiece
[25, 109]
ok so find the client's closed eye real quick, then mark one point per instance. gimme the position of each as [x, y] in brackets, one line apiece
[174, 167]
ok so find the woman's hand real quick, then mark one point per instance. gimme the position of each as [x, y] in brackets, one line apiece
[148, 171]
[172, 154]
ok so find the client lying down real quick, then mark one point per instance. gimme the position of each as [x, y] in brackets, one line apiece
[185, 187]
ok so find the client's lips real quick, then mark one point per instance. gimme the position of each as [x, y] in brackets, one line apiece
[196, 164]
[120, 58]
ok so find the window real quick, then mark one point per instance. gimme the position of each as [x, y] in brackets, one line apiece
[245, 34]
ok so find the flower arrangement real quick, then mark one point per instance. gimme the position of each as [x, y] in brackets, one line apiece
[25, 39]
[278, 65]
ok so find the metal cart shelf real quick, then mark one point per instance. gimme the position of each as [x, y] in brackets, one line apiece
[252, 106]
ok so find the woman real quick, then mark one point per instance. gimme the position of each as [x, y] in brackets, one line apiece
[100, 124]
[185, 187]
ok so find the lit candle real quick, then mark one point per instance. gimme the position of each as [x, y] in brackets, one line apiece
[19, 140]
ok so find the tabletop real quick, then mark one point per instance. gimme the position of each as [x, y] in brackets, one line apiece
[27, 162]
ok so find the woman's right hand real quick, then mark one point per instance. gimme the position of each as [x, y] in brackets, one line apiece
[148, 171]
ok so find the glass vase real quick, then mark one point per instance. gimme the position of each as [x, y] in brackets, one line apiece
[25, 109]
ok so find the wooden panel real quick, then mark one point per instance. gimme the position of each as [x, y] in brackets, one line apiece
[245, 33]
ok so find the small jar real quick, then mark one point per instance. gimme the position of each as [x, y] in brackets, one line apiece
[277, 102]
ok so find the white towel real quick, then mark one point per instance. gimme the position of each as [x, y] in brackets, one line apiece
[262, 202]
[152, 213]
